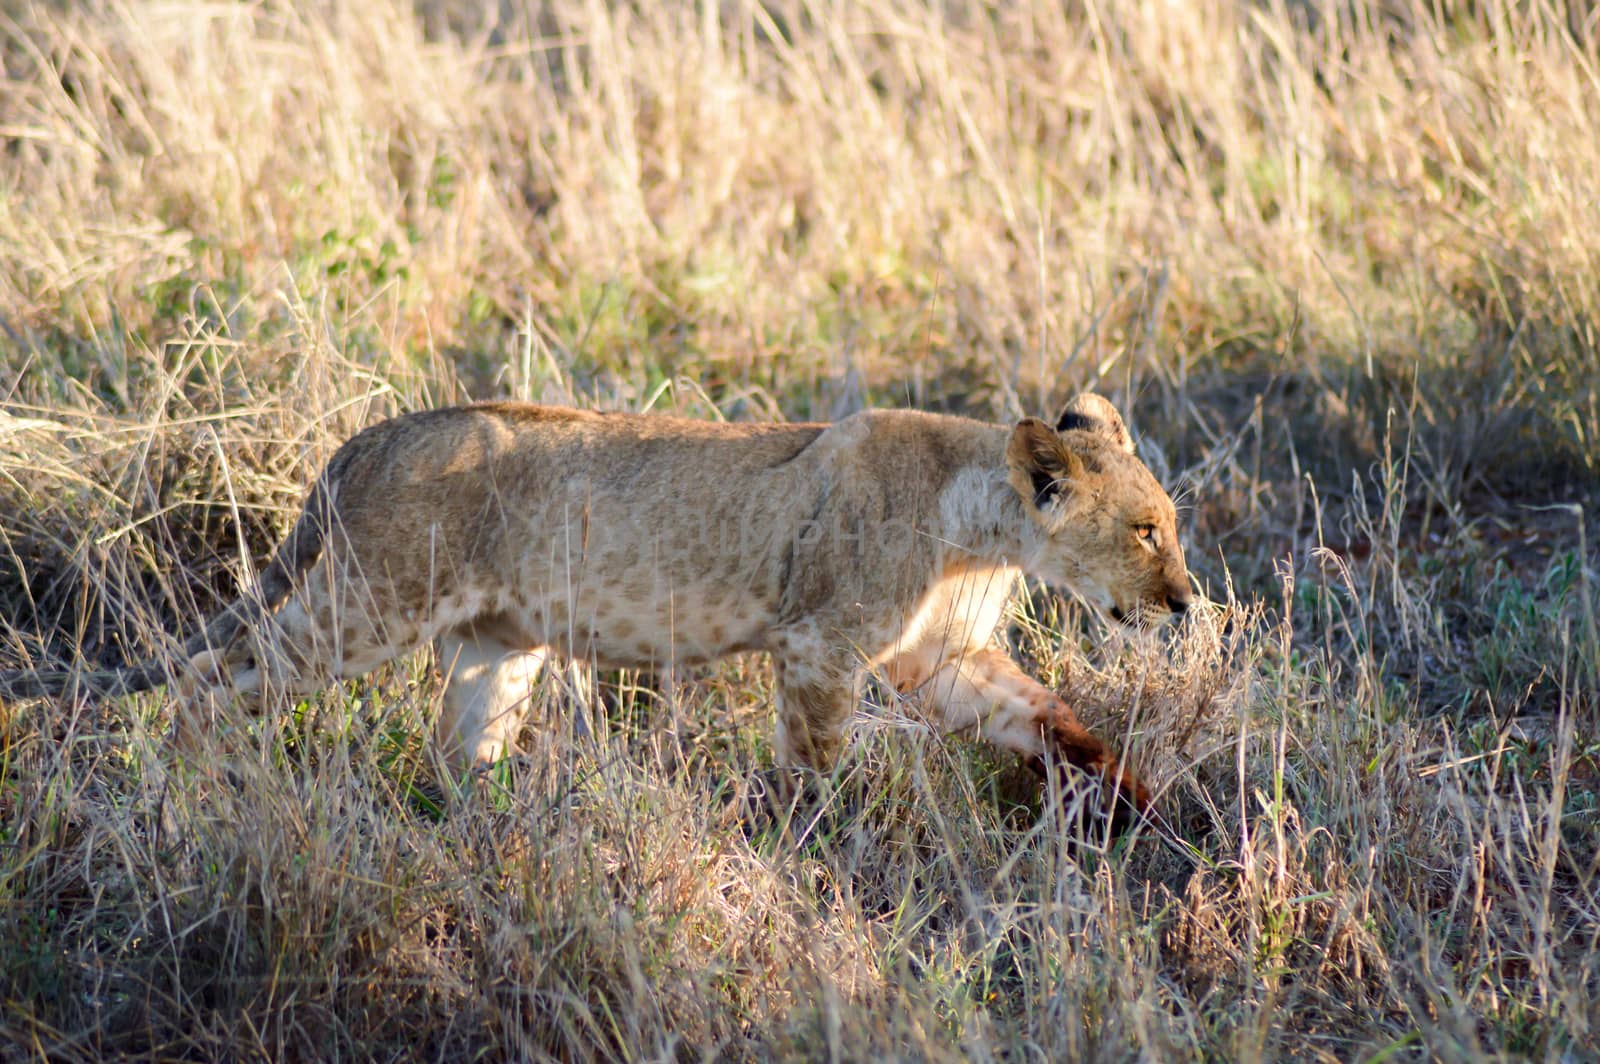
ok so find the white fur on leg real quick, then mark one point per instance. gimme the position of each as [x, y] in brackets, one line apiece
[488, 686]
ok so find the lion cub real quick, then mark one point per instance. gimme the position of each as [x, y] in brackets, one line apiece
[889, 541]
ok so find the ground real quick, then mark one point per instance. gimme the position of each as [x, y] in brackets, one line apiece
[1338, 264]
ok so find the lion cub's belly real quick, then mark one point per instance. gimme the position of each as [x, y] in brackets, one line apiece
[662, 563]
[638, 623]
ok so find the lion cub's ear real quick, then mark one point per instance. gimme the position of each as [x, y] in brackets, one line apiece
[1039, 464]
[1092, 413]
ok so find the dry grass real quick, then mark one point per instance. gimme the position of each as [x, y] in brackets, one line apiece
[1340, 261]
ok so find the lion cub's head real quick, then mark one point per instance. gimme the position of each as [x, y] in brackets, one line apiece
[1099, 522]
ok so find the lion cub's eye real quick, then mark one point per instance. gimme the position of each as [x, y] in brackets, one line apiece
[1147, 533]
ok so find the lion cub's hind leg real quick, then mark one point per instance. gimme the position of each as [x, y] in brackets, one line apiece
[308, 644]
[488, 688]
[243, 674]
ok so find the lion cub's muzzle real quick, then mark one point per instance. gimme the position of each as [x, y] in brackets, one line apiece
[1153, 613]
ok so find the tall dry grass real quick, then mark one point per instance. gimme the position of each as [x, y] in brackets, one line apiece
[1340, 262]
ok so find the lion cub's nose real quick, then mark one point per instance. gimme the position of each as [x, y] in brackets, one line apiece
[1178, 604]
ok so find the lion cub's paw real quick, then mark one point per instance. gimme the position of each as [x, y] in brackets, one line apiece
[1096, 793]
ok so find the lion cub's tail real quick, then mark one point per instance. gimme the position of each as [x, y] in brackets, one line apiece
[297, 553]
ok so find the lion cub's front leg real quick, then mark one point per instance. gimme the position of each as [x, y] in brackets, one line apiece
[816, 688]
[814, 704]
[984, 692]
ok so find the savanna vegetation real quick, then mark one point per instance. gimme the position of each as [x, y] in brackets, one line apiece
[1339, 263]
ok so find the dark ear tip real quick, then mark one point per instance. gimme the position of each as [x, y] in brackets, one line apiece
[1071, 419]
